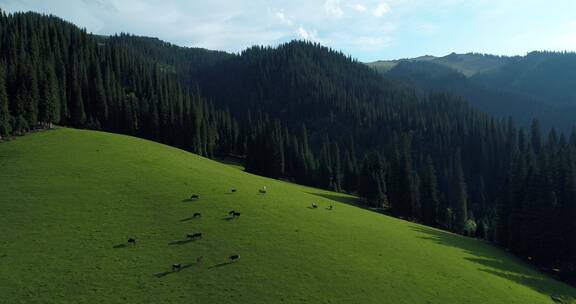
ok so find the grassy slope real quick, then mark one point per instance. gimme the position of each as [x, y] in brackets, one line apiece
[68, 196]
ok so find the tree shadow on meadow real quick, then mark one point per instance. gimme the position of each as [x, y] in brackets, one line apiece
[508, 267]
[350, 200]
[346, 199]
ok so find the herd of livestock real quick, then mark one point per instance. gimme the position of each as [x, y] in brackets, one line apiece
[198, 235]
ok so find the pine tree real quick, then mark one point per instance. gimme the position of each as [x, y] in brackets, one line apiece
[5, 128]
[536, 136]
[31, 97]
[49, 106]
[372, 184]
[460, 198]
[429, 194]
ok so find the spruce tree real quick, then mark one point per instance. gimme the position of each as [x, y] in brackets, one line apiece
[460, 196]
[49, 105]
[5, 128]
[429, 194]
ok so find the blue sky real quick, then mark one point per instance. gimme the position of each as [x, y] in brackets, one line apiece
[366, 29]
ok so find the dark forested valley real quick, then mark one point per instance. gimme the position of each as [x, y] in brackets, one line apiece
[308, 114]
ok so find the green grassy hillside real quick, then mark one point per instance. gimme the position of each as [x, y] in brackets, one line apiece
[69, 199]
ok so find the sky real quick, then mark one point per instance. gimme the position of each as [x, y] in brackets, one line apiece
[368, 30]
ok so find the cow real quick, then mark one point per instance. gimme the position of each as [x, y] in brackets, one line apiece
[195, 197]
[194, 236]
[331, 207]
[132, 241]
[176, 267]
[233, 190]
[236, 214]
[196, 215]
[314, 206]
[234, 258]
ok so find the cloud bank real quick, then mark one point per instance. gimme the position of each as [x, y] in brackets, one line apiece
[366, 29]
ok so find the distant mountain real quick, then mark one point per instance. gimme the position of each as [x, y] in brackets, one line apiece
[468, 64]
[550, 76]
[537, 86]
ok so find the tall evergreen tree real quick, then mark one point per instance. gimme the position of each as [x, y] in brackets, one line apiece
[5, 128]
[429, 194]
[460, 198]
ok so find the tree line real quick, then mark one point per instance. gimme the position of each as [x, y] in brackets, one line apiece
[305, 113]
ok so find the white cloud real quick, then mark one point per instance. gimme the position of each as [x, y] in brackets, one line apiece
[332, 8]
[381, 9]
[230, 25]
[359, 7]
[307, 35]
[280, 15]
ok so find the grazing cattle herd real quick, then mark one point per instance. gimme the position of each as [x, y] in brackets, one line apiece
[198, 235]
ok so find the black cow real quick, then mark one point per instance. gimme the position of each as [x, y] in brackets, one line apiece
[194, 236]
[331, 207]
[236, 214]
[262, 191]
[233, 190]
[314, 205]
[234, 258]
[132, 241]
[195, 196]
[231, 212]
[197, 214]
[176, 267]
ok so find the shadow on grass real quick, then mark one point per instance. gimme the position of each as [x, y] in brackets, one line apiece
[187, 219]
[169, 272]
[349, 200]
[228, 218]
[119, 246]
[182, 242]
[221, 265]
[504, 265]
[188, 200]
